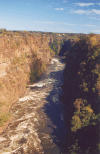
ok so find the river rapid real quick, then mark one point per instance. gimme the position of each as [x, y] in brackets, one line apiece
[38, 126]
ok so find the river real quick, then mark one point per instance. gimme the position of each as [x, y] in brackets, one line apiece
[38, 126]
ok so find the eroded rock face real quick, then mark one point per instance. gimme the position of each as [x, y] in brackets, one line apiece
[38, 125]
[17, 57]
[20, 53]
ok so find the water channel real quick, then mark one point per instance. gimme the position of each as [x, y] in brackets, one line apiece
[38, 126]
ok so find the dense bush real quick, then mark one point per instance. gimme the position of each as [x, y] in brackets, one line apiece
[81, 87]
[56, 45]
[37, 69]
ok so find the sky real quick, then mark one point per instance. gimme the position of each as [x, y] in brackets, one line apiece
[61, 16]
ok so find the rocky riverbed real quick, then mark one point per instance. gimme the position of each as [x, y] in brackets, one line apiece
[38, 125]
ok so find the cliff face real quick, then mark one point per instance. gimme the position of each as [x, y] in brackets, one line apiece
[23, 57]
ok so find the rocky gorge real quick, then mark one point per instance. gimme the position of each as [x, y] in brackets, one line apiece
[23, 59]
[38, 125]
[49, 103]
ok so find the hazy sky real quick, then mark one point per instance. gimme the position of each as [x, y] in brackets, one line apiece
[69, 16]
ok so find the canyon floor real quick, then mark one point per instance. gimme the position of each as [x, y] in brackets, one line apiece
[38, 125]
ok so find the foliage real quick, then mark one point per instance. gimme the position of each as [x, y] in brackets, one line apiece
[76, 123]
[55, 44]
[36, 70]
[81, 85]
[4, 117]
[19, 60]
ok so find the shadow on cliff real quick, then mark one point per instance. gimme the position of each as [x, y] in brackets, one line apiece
[65, 47]
[55, 110]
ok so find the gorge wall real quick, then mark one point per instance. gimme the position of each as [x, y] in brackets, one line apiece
[23, 58]
[81, 96]
[20, 53]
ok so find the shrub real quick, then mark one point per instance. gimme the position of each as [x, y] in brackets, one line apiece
[76, 123]
[4, 117]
